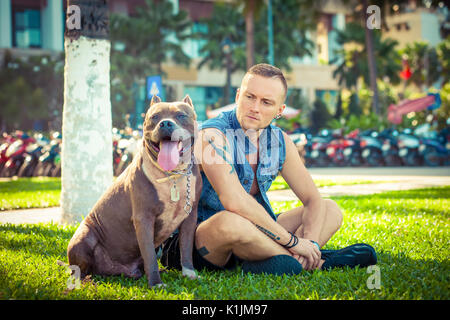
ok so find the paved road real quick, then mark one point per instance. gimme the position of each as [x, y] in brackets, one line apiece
[391, 179]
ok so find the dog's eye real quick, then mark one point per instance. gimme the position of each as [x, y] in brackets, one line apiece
[181, 116]
[155, 117]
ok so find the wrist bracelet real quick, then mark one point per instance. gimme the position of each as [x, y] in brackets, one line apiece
[315, 244]
[289, 245]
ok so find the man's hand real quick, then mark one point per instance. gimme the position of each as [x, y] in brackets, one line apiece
[307, 254]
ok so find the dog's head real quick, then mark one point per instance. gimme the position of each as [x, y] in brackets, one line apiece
[169, 130]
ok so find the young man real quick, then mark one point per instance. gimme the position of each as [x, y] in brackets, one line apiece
[240, 154]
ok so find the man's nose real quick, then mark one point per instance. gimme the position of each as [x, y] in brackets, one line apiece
[255, 106]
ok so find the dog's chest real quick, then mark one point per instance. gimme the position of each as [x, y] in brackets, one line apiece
[174, 195]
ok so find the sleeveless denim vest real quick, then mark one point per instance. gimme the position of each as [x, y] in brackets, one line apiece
[272, 154]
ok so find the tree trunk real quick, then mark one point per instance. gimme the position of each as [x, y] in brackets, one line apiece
[86, 158]
[249, 31]
[371, 61]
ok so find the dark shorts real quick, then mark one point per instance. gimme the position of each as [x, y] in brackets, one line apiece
[170, 257]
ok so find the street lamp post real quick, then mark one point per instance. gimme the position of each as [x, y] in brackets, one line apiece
[270, 32]
[226, 47]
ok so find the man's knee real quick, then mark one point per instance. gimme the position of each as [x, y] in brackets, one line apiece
[233, 227]
[334, 213]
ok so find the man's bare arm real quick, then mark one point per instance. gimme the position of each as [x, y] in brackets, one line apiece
[301, 183]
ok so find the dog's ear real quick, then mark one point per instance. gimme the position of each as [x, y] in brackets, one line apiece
[188, 100]
[155, 99]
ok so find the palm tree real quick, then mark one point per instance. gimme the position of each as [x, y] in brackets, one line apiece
[352, 58]
[424, 64]
[251, 9]
[224, 43]
[87, 141]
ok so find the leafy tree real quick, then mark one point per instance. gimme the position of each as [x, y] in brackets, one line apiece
[320, 115]
[424, 64]
[226, 25]
[443, 53]
[141, 44]
[353, 52]
[31, 90]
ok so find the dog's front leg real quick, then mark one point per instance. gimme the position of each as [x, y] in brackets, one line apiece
[144, 226]
[187, 233]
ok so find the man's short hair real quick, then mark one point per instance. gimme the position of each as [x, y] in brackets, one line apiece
[268, 71]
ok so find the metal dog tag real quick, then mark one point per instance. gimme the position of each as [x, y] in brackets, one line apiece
[174, 193]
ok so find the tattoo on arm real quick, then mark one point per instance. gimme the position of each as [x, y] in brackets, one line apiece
[268, 233]
[224, 153]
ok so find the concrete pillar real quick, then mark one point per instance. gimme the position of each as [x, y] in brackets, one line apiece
[5, 24]
[52, 26]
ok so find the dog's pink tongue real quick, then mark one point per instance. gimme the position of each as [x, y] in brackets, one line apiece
[168, 156]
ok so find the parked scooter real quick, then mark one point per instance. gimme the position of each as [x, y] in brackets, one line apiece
[436, 150]
[390, 147]
[15, 155]
[316, 149]
[408, 143]
[33, 152]
[371, 148]
[7, 140]
[47, 159]
[129, 149]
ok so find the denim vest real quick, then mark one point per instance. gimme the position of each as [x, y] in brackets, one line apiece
[272, 153]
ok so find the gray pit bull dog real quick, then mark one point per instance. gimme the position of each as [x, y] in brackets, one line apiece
[155, 195]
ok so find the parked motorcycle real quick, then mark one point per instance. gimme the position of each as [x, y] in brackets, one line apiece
[15, 155]
[129, 149]
[33, 152]
[390, 147]
[316, 149]
[408, 145]
[436, 150]
[47, 159]
[371, 148]
[7, 140]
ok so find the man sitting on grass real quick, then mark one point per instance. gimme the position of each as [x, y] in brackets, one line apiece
[240, 153]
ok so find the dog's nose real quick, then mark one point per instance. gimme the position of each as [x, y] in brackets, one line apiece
[166, 124]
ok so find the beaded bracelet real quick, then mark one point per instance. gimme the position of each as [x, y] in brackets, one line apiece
[289, 245]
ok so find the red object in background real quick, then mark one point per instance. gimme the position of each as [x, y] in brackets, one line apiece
[406, 73]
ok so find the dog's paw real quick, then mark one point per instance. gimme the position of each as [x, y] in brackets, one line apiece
[190, 273]
[159, 285]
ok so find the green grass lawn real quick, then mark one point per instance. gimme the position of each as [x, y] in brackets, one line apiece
[43, 192]
[23, 193]
[408, 229]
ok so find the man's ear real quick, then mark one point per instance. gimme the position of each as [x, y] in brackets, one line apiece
[188, 100]
[155, 99]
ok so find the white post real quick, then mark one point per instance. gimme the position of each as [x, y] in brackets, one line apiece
[86, 166]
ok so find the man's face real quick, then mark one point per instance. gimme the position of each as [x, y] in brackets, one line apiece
[258, 101]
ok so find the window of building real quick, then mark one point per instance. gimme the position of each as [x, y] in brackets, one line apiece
[27, 28]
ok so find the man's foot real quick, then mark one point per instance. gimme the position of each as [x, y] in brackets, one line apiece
[277, 265]
[359, 254]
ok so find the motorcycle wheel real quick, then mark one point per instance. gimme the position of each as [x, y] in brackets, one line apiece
[322, 160]
[375, 160]
[26, 170]
[43, 169]
[413, 159]
[431, 157]
[56, 171]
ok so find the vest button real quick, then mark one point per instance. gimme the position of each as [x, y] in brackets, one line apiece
[245, 181]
